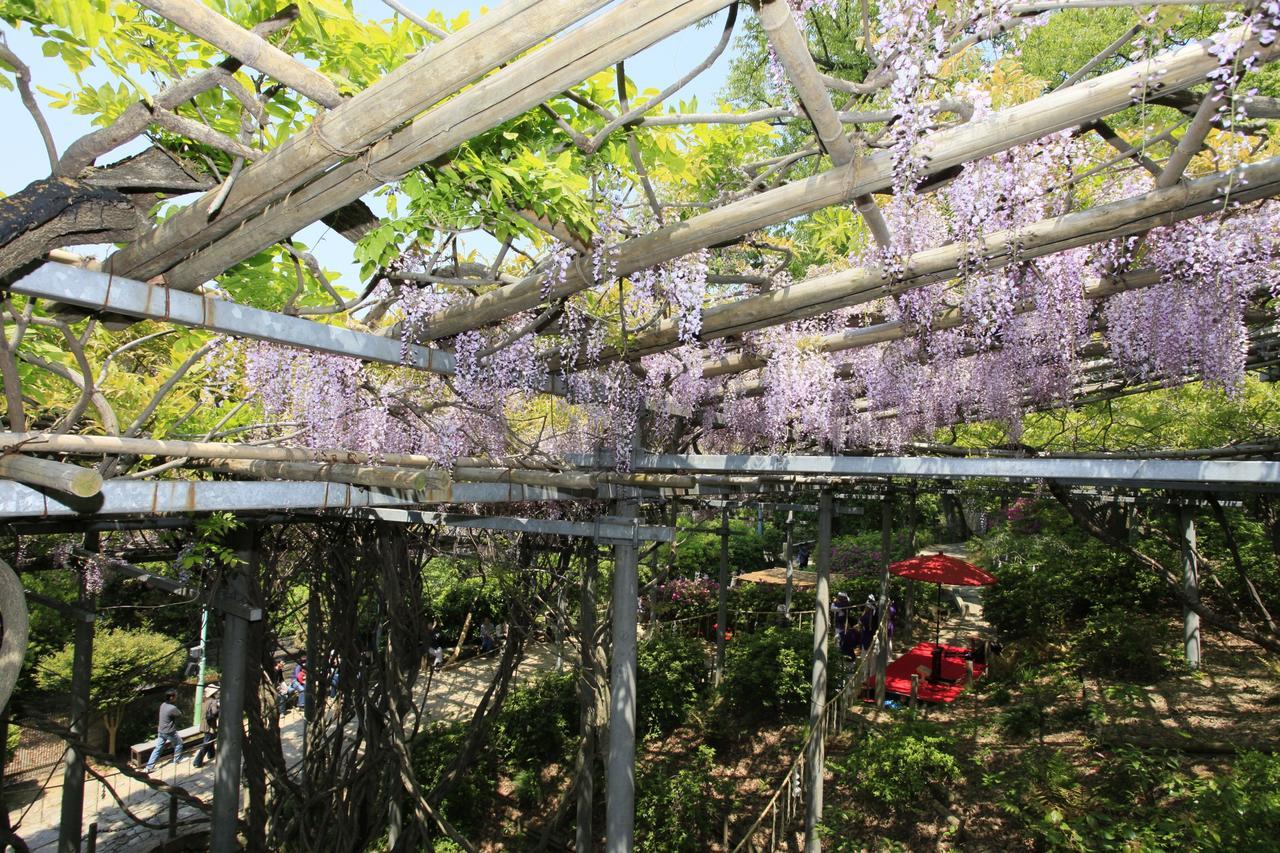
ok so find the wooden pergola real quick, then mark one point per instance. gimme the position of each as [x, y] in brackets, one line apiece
[506, 62]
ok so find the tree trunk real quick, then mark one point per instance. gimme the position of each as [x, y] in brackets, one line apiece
[111, 720]
[55, 212]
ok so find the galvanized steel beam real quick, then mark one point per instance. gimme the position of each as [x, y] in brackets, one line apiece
[134, 497]
[603, 529]
[1164, 473]
[99, 291]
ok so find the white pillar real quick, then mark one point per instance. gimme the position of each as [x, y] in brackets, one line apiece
[815, 756]
[620, 810]
[1191, 588]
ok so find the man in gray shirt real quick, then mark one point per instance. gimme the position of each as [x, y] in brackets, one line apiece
[167, 730]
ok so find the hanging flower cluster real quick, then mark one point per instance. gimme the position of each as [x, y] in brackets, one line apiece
[1192, 323]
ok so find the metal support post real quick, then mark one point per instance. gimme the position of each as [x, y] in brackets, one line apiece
[204, 659]
[722, 599]
[789, 556]
[226, 784]
[816, 752]
[1190, 587]
[909, 599]
[886, 542]
[620, 810]
[81, 675]
[587, 701]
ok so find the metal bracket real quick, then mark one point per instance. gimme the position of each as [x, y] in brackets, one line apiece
[611, 538]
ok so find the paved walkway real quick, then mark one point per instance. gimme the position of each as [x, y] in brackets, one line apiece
[455, 692]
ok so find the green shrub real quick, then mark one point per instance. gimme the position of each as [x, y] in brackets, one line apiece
[453, 592]
[895, 764]
[699, 553]
[1128, 646]
[538, 720]
[1136, 799]
[861, 554]
[1020, 720]
[682, 598]
[673, 676]
[680, 809]
[471, 798]
[1051, 581]
[767, 674]
[528, 787]
[1240, 810]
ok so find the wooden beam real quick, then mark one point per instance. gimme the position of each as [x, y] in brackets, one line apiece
[520, 86]
[377, 476]
[894, 330]
[252, 50]
[72, 479]
[793, 50]
[431, 75]
[826, 293]
[100, 445]
[505, 94]
[1070, 107]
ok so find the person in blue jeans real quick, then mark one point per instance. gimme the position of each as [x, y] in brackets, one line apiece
[167, 730]
[299, 683]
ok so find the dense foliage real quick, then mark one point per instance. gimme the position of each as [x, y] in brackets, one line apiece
[680, 805]
[898, 763]
[766, 674]
[1142, 799]
[1053, 579]
[672, 680]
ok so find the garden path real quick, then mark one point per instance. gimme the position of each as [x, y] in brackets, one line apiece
[455, 692]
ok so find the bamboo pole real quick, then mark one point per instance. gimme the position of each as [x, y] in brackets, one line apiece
[1079, 104]
[1192, 138]
[72, 479]
[897, 330]
[826, 293]
[36, 442]
[557, 479]
[252, 50]
[518, 87]
[377, 476]
[570, 479]
[436, 72]
[793, 50]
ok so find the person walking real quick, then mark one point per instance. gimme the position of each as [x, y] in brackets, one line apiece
[840, 613]
[867, 622]
[435, 645]
[209, 725]
[167, 730]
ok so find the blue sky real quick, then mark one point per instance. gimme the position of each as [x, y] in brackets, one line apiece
[25, 158]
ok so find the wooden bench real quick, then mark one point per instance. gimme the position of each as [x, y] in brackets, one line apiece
[140, 752]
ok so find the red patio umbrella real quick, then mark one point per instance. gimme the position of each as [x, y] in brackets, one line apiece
[941, 569]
